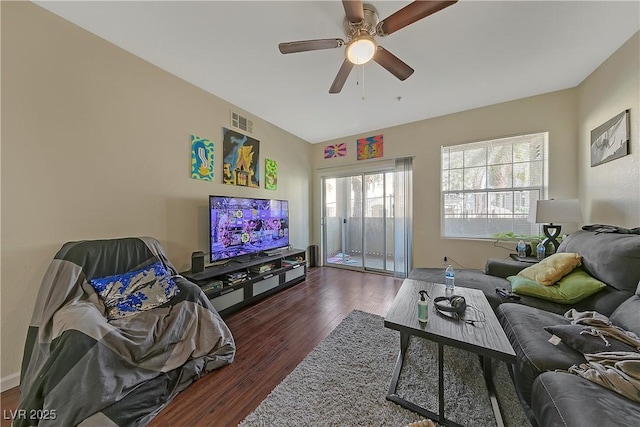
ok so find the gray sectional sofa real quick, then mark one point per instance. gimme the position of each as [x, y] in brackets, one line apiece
[550, 395]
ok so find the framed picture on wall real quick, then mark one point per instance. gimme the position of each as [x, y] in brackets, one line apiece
[270, 174]
[369, 148]
[201, 158]
[240, 154]
[610, 140]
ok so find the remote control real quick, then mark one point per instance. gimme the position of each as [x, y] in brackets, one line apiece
[507, 294]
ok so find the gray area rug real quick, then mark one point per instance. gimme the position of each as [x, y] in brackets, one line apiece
[344, 381]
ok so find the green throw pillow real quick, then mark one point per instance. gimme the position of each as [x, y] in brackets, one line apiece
[572, 288]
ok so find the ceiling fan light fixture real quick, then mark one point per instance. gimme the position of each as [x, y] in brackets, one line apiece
[361, 49]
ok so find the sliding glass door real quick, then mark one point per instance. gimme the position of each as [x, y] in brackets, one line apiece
[378, 221]
[359, 221]
[343, 221]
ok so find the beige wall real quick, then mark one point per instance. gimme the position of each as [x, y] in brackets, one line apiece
[610, 192]
[554, 112]
[95, 144]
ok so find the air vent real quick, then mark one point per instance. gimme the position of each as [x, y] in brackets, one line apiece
[240, 122]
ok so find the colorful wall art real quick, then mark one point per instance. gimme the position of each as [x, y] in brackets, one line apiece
[240, 159]
[370, 148]
[336, 150]
[201, 158]
[270, 174]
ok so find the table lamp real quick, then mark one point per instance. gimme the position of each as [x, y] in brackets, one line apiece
[550, 211]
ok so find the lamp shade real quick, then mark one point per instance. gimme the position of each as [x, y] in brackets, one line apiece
[361, 49]
[558, 211]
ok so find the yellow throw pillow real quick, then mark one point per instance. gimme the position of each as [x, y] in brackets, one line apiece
[553, 268]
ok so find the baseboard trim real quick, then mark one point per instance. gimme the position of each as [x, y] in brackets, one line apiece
[9, 382]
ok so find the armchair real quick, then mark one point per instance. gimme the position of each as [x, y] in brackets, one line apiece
[81, 366]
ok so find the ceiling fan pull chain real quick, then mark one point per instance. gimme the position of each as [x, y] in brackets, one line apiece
[362, 81]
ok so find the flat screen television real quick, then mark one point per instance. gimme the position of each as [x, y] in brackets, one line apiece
[246, 226]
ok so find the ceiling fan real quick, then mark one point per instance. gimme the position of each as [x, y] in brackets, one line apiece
[361, 25]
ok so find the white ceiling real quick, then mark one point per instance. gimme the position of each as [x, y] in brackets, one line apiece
[471, 54]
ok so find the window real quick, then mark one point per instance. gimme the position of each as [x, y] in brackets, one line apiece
[488, 186]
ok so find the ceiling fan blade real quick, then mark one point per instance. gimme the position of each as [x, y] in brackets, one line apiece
[341, 77]
[354, 10]
[392, 63]
[307, 45]
[409, 14]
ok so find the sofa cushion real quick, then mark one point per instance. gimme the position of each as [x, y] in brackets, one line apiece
[567, 400]
[627, 315]
[524, 326]
[504, 267]
[603, 302]
[476, 279]
[612, 258]
[572, 288]
[578, 338]
[551, 269]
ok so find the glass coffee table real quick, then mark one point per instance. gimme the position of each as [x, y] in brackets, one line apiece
[486, 339]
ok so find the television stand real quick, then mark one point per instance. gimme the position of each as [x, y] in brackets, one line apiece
[244, 281]
[273, 253]
[244, 259]
[216, 263]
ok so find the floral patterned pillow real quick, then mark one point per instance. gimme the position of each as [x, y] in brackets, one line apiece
[135, 291]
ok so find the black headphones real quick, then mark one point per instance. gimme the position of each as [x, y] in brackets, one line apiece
[454, 304]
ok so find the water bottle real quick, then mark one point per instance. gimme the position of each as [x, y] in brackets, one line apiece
[522, 249]
[449, 278]
[540, 251]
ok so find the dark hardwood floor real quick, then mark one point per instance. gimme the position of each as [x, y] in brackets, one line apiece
[272, 337]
